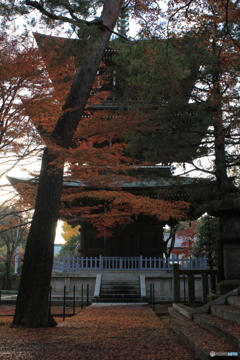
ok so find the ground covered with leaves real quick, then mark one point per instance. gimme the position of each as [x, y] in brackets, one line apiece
[96, 333]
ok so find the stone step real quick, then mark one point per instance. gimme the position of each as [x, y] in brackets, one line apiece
[200, 340]
[226, 312]
[115, 293]
[175, 313]
[123, 283]
[120, 294]
[120, 277]
[183, 309]
[117, 300]
[234, 301]
[225, 329]
[126, 285]
[119, 291]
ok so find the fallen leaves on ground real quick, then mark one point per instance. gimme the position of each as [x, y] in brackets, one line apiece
[96, 333]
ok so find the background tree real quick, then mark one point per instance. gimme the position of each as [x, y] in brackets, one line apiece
[207, 240]
[24, 86]
[194, 98]
[13, 233]
[217, 88]
[71, 246]
[203, 130]
[22, 79]
[69, 231]
[71, 236]
[186, 231]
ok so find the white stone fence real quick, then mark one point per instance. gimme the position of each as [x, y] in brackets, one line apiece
[70, 264]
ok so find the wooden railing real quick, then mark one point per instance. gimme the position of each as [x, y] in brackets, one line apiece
[74, 263]
[191, 273]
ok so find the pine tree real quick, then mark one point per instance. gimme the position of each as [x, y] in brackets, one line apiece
[206, 243]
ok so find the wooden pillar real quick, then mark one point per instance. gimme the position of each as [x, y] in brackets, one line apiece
[191, 290]
[204, 287]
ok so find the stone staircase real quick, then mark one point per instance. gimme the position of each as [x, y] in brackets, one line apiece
[119, 288]
[215, 327]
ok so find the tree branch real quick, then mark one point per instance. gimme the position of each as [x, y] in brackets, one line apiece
[75, 21]
[51, 15]
[14, 227]
[100, 25]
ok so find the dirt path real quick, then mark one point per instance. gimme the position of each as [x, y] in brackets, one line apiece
[97, 333]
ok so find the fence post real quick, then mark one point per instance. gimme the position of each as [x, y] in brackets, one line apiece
[184, 288]
[205, 261]
[176, 283]
[68, 262]
[204, 287]
[87, 294]
[140, 264]
[100, 262]
[191, 290]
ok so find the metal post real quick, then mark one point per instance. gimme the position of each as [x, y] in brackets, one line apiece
[0, 297]
[87, 294]
[74, 298]
[64, 302]
[153, 296]
[82, 297]
[184, 289]
[150, 294]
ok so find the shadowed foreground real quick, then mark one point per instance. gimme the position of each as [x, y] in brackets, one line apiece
[98, 332]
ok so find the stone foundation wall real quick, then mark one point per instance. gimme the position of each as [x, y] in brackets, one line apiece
[163, 284]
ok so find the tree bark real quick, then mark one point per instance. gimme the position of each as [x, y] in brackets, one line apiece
[32, 302]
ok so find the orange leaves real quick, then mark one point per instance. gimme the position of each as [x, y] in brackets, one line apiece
[187, 234]
[112, 207]
[21, 70]
[107, 332]
[97, 157]
[146, 12]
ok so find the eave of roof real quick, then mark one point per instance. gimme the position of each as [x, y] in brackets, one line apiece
[161, 182]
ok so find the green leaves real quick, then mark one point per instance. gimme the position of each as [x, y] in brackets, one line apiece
[207, 240]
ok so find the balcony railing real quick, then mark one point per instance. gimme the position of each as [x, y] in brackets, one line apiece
[139, 263]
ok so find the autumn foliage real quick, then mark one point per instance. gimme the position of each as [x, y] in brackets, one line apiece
[23, 79]
[98, 156]
[107, 332]
[187, 234]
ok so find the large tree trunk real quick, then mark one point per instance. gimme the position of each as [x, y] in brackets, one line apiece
[32, 302]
